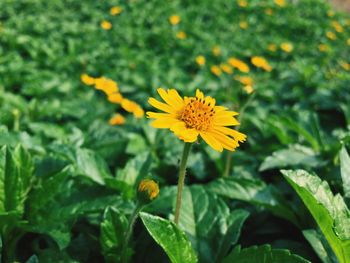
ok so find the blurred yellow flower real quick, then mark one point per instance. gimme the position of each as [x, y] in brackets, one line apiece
[322, 47]
[245, 80]
[261, 62]
[181, 35]
[337, 26]
[115, 98]
[268, 11]
[106, 25]
[133, 107]
[190, 117]
[117, 119]
[242, 3]
[345, 65]
[239, 64]
[243, 25]
[331, 35]
[226, 68]
[174, 20]
[330, 13]
[150, 188]
[108, 86]
[287, 47]
[280, 3]
[138, 112]
[87, 80]
[272, 47]
[348, 41]
[200, 60]
[347, 22]
[116, 10]
[216, 70]
[249, 89]
[216, 51]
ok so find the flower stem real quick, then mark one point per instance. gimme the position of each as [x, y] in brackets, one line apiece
[128, 233]
[181, 182]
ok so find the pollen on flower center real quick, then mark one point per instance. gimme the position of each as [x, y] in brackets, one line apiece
[197, 114]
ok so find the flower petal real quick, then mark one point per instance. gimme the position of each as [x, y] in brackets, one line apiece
[160, 105]
[163, 123]
[211, 141]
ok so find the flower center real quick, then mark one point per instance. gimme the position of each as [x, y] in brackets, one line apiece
[197, 114]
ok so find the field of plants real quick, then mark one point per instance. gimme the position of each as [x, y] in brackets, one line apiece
[174, 131]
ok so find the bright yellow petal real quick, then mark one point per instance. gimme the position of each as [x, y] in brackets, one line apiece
[226, 114]
[160, 105]
[156, 115]
[163, 123]
[211, 141]
[227, 142]
[175, 95]
[189, 135]
[199, 94]
[224, 121]
[238, 136]
[170, 99]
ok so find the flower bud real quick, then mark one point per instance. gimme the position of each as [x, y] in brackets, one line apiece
[148, 190]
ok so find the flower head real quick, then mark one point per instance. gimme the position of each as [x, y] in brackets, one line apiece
[249, 89]
[174, 20]
[345, 65]
[116, 10]
[242, 3]
[239, 64]
[106, 25]
[243, 24]
[287, 47]
[322, 47]
[261, 62]
[190, 117]
[216, 51]
[331, 35]
[348, 41]
[108, 86]
[117, 119]
[245, 80]
[133, 107]
[216, 70]
[148, 190]
[87, 80]
[330, 13]
[337, 26]
[115, 98]
[200, 60]
[226, 68]
[280, 3]
[272, 47]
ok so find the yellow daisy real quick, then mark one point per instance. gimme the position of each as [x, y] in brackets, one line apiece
[287, 47]
[106, 25]
[272, 47]
[87, 80]
[322, 47]
[216, 70]
[174, 20]
[181, 35]
[249, 89]
[226, 68]
[190, 117]
[261, 62]
[150, 188]
[116, 10]
[239, 64]
[348, 41]
[331, 35]
[216, 51]
[243, 24]
[200, 60]
[115, 98]
[280, 3]
[242, 3]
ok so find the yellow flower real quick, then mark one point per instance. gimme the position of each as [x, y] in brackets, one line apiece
[108, 86]
[174, 20]
[200, 60]
[115, 98]
[116, 10]
[242, 3]
[272, 47]
[87, 80]
[226, 68]
[106, 25]
[133, 107]
[280, 3]
[247, 81]
[268, 11]
[345, 65]
[347, 22]
[287, 47]
[261, 62]
[150, 188]
[216, 51]
[249, 89]
[216, 70]
[330, 13]
[243, 25]
[190, 117]
[181, 35]
[117, 119]
[239, 64]
[331, 35]
[322, 47]
[348, 41]
[337, 26]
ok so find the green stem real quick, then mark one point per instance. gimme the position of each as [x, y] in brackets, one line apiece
[181, 182]
[228, 163]
[128, 233]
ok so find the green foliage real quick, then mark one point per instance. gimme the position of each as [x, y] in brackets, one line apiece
[262, 254]
[345, 171]
[170, 238]
[329, 211]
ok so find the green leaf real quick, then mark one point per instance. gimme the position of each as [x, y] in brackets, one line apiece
[345, 171]
[173, 240]
[209, 224]
[33, 259]
[329, 211]
[262, 254]
[113, 227]
[294, 155]
[253, 191]
[16, 169]
[320, 245]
